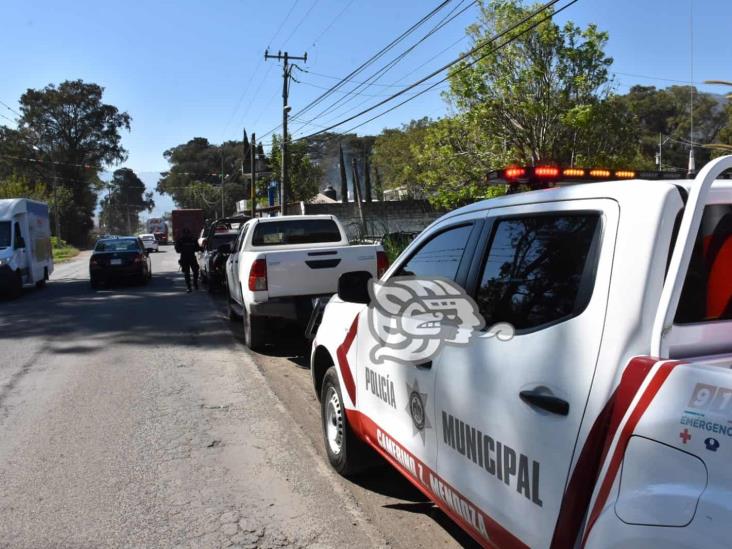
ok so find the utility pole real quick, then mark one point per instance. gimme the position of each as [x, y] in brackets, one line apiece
[344, 181]
[357, 194]
[57, 218]
[222, 183]
[286, 74]
[252, 185]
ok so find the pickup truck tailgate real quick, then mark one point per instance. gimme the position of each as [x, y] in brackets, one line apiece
[313, 272]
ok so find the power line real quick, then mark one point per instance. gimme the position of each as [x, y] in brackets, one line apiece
[646, 77]
[451, 16]
[10, 108]
[308, 71]
[364, 65]
[460, 58]
[332, 22]
[282, 24]
[315, 3]
[254, 75]
[372, 59]
[256, 93]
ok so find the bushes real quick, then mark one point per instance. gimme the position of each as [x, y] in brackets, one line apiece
[62, 251]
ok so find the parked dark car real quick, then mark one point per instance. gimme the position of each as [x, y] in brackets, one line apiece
[120, 258]
[215, 240]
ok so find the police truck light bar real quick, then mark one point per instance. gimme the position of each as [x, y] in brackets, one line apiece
[550, 176]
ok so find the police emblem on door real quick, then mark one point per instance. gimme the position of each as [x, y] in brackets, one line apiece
[417, 409]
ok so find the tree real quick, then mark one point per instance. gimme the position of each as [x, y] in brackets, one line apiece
[15, 186]
[71, 134]
[520, 95]
[664, 113]
[194, 178]
[125, 199]
[304, 176]
[394, 156]
[453, 159]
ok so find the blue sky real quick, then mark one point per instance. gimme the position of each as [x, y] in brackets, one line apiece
[188, 68]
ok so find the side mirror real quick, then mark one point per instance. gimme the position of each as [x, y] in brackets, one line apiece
[353, 287]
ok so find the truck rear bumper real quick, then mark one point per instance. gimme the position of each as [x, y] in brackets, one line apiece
[297, 308]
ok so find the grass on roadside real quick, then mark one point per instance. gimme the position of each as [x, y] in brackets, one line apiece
[62, 251]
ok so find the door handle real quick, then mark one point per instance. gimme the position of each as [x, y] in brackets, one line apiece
[550, 403]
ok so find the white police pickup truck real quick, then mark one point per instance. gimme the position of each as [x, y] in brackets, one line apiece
[606, 419]
[279, 265]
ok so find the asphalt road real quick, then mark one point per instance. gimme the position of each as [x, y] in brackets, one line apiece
[134, 417]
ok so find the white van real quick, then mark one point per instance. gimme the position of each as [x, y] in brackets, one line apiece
[25, 244]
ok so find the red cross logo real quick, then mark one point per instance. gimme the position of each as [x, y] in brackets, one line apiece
[685, 436]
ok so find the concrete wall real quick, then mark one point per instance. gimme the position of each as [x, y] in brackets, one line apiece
[380, 217]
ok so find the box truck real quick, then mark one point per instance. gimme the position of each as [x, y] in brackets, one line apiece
[159, 228]
[25, 244]
[191, 219]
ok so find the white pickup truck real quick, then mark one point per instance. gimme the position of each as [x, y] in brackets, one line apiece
[279, 265]
[606, 420]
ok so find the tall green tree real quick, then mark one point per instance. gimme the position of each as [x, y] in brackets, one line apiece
[521, 94]
[304, 175]
[195, 176]
[394, 156]
[70, 134]
[126, 198]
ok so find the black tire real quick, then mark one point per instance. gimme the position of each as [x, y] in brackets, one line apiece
[94, 283]
[347, 454]
[17, 288]
[254, 336]
[42, 283]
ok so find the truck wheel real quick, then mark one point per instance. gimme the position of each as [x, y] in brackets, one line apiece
[253, 331]
[17, 288]
[347, 454]
[94, 283]
[42, 283]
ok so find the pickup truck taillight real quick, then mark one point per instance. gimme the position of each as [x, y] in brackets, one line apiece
[258, 275]
[382, 263]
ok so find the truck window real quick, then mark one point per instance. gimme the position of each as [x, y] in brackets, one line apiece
[242, 236]
[539, 269]
[707, 292]
[296, 231]
[4, 234]
[440, 255]
[17, 237]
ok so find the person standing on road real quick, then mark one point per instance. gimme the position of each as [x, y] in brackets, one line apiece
[187, 246]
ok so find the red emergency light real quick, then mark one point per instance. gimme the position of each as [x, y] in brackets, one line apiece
[513, 172]
[546, 171]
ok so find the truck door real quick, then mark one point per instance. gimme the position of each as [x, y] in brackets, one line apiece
[399, 398]
[20, 247]
[232, 267]
[509, 411]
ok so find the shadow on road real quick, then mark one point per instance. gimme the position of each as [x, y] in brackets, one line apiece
[384, 479]
[76, 319]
